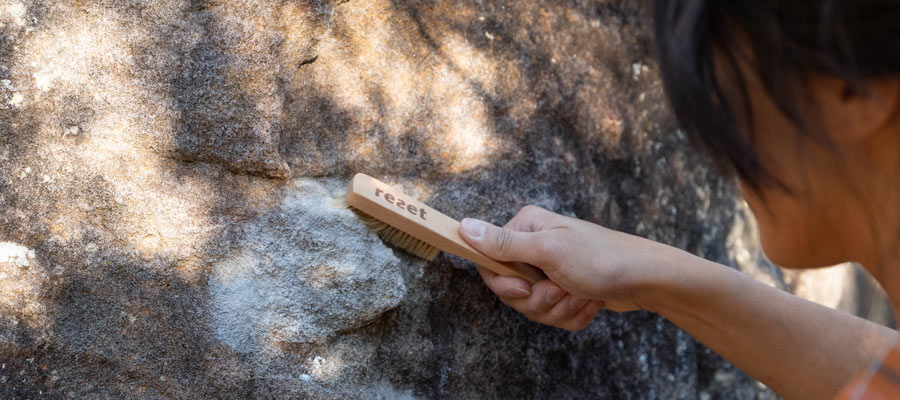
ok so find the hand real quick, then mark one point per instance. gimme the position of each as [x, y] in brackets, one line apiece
[589, 267]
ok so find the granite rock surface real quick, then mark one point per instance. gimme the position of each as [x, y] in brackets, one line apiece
[168, 181]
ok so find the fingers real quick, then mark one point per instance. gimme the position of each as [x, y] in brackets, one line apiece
[545, 302]
[544, 296]
[504, 286]
[506, 244]
[558, 309]
[582, 318]
[564, 310]
[530, 237]
[530, 219]
[518, 294]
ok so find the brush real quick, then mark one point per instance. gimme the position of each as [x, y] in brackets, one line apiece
[422, 231]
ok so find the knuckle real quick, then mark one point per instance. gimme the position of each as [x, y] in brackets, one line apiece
[530, 209]
[504, 242]
[543, 307]
[533, 313]
[489, 282]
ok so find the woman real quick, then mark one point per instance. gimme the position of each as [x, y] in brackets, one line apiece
[801, 101]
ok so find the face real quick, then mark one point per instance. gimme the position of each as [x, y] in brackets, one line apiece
[795, 227]
[830, 213]
[801, 228]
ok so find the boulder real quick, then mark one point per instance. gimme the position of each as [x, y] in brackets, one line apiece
[170, 182]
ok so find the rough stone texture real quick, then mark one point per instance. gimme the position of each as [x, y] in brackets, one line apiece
[168, 173]
[306, 249]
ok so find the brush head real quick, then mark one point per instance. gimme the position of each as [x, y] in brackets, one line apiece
[392, 235]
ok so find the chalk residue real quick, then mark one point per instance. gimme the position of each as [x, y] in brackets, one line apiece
[23, 312]
[15, 254]
[302, 273]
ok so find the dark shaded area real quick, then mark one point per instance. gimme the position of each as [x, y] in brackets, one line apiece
[216, 128]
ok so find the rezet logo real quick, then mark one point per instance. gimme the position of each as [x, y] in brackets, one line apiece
[420, 211]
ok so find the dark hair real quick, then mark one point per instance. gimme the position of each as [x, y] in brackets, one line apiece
[854, 40]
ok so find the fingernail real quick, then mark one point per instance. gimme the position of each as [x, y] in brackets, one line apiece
[474, 228]
[553, 295]
[517, 293]
[576, 303]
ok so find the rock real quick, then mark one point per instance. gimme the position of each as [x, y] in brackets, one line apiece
[301, 273]
[168, 172]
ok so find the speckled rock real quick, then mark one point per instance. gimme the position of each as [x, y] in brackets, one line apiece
[301, 273]
[168, 174]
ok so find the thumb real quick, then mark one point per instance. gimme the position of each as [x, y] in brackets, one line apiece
[502, 244]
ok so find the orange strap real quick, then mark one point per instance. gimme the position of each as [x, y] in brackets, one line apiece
[880, 381]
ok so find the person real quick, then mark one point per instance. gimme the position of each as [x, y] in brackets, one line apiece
[800, 101]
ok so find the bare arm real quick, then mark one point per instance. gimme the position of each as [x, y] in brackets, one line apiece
[800, 349]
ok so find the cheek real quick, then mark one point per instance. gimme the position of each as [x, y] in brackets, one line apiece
[800, 229]
[789, 229]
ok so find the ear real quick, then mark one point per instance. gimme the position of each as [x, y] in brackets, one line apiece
[851, 115]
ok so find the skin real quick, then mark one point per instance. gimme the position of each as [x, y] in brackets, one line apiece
[842, 207]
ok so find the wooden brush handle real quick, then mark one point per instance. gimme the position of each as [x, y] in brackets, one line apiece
[409, 215]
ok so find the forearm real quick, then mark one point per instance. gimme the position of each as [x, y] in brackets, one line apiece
[800, 349]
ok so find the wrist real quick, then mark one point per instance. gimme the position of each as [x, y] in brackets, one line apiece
[674, 275]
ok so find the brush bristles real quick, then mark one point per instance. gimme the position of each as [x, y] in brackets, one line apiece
[396, 237]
